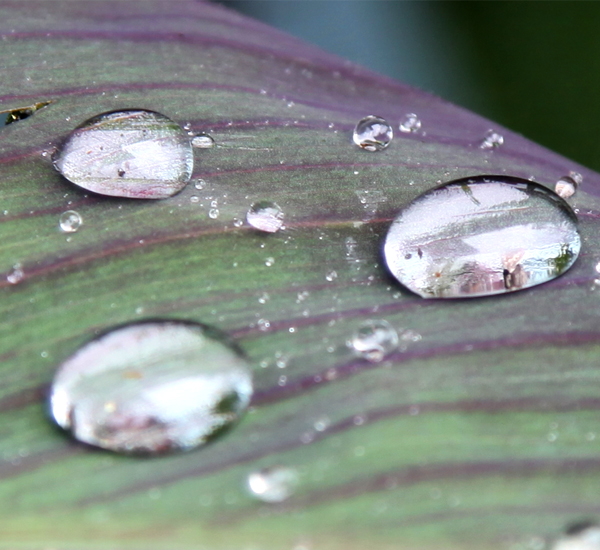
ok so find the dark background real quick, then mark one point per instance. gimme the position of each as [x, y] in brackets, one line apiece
[531, 66]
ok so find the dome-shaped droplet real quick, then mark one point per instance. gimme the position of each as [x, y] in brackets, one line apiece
[373, 133]
[274, 484]
[567, 185]
[203, 141]
[374, 340]
[151, 387]
[69, 221]
[137, 154]
[481, 236]
[265, 216]
[491, 140]
[410, 123]
[584, 536]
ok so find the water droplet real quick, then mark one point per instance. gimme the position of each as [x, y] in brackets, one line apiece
[137, 154]
[482, 236]
[265, 216]
[237, 222]
[213, 213]
[331, 276]
[269, 262]
[70, 221]
[199, 184]
[151, 387]
[15, 275]
[491, 140]
[194, 199]
[373, 133]
[322, 424]
[203, 141]
[410, 123]
[567, 185]
[580, 536]
[263, 324]
[374, 340]
[274, 484]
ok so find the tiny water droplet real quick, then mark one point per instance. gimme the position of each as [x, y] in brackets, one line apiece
[199, 184]
[194, 199]
[203, 141]
[237, 222]
[274, 484]
[410, 123]
[374, 339]
[151, 387]
[213, 213]
[269, 262]
[322, 424]
[331, 276]
[265, 216]
[580, 536]
[373, 133]
[491, 140]
[15, 275]
[264, 298]
[482, 236]
[567, 185]
[137, 154]
[69, 221]
[263, 324]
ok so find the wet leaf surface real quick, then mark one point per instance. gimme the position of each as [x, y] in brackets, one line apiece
[481, 433]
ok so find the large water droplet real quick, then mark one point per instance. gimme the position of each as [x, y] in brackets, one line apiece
[151, 387]
[274, 484]
[410, 123]
[137, 154]
[374, 340]
[69, 221]
[567, 185]
[373, 133]
[265, 216]
[481, 236]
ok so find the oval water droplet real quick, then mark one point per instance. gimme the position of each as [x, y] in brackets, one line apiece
[580, 536]
[15, 275]
[137, 154]
[151, 387]
[373, 133]
[374, 339]
[265, 216]
[203, 141]
[567, 185]
[482, 236]
[69, 221]
[274, 484]
[491, 140]
[410, 123]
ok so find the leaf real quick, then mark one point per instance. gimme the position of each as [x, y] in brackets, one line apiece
[482, 434]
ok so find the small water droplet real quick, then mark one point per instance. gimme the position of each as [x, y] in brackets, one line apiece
[410, 123]
[199, 184]
[482, 236]
[237, 222]
[567, 185]
[137, 154]
[331, 276]
[263, 324]
[264, 298]
[374, 339]
[265, 216]
[69, 221]
[322, 424]
[274, 484]
[213, 213]
[15, 275]
[194, 199]
[269, 262]
[491, 140]
[203, 141]
[151, 387]
[584, 535]
[373, 133]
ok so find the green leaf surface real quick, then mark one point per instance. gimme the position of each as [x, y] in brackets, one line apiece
[482, 434]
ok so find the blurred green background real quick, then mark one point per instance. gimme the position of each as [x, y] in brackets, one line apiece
[530, 66]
